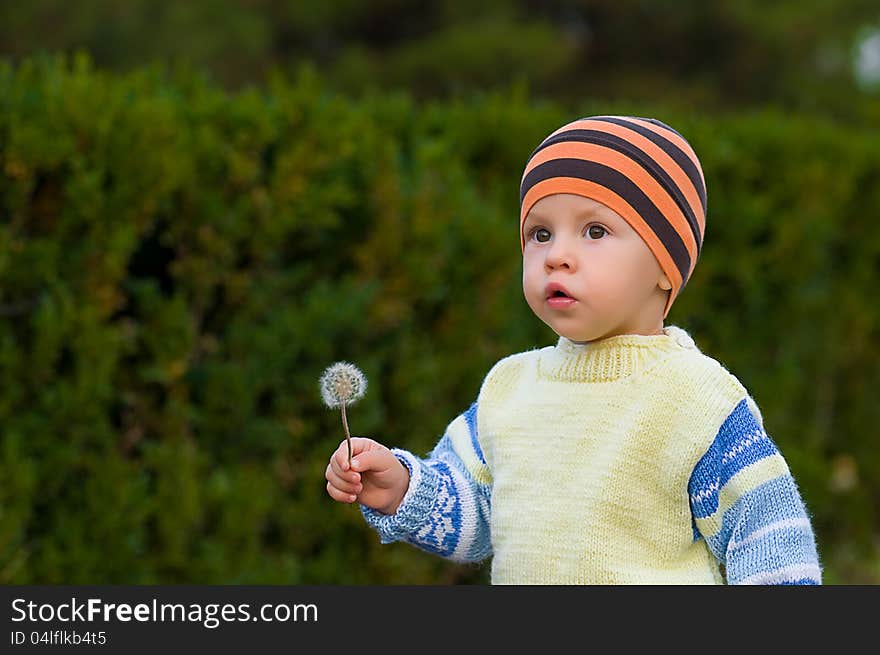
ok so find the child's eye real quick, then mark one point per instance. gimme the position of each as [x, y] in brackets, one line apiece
[596, 231]
[541, 235]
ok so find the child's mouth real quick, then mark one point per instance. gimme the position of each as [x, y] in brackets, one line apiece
[559, 300]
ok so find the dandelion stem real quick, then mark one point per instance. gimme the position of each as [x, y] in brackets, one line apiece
[347, 435]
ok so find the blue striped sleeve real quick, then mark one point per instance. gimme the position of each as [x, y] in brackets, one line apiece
[747, 506]
[446, 508]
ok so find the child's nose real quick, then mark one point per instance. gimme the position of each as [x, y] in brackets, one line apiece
[560, 253]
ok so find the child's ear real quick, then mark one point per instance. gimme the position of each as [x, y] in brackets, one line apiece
[664, 283]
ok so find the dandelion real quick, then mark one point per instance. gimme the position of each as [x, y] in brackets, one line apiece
[343, 384]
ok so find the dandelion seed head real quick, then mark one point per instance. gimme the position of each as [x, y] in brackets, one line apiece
[342, 383]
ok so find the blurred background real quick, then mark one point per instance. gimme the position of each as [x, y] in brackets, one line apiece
[203, 204]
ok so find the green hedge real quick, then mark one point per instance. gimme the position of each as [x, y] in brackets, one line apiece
[178, 265]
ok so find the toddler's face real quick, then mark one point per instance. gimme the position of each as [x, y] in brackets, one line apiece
[588, 274]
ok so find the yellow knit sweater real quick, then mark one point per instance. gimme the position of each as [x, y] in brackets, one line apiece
[635, 459]
[590, 448]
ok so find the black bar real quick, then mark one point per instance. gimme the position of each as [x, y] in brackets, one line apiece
[337, 619]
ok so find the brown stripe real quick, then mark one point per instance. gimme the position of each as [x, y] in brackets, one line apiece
[612, 177]
[660, 199]
[627, 143]
[609, 198]
[674, 145]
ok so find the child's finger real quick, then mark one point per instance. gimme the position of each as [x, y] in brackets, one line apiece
[340, 496]
[347, 487]
[371, 460]
[340, 458]
[349, 482]
[358, 445]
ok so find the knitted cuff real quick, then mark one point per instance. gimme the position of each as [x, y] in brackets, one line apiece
[414, 509]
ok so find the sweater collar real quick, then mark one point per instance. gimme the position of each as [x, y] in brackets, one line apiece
[611, 358]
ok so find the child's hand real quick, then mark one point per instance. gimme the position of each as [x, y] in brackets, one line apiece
[376, 478]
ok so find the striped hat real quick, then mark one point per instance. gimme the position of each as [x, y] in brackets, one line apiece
[642, 169]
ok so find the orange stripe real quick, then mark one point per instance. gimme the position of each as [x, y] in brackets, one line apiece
[610, 199]
[658, 154]
[675, 138]
[672, 295]
[638, 175]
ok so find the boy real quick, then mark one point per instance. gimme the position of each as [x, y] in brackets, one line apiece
[623, 454]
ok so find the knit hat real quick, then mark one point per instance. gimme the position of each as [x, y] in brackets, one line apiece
[639, 167]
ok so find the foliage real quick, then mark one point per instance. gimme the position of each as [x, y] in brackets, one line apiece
[178, 264]
[725, 54]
